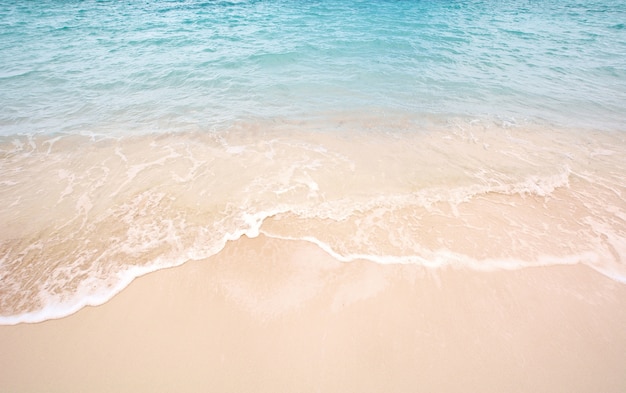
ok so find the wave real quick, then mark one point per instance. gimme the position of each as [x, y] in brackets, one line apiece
[84, 215]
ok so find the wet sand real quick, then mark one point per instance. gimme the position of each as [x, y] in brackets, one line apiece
[269, 315]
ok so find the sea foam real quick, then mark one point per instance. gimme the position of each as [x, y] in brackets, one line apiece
[85, 216]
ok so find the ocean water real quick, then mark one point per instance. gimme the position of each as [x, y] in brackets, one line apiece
[136, 136]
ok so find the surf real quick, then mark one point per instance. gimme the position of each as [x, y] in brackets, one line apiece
[84, 216]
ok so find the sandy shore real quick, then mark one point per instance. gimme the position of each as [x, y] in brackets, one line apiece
[276, 316]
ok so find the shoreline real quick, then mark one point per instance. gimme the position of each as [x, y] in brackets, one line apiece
[468, 194]
[276, 315]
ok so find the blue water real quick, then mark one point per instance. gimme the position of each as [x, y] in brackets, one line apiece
[109, 66]
[135, 136]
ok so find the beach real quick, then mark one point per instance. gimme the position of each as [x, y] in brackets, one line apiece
[335, 196]
[267, 315]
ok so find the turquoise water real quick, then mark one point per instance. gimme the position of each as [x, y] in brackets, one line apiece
[99, 66]
[136, 136]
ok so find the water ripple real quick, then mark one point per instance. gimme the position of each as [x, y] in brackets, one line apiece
[115, 65]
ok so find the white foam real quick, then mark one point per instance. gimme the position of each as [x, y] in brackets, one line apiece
[309, 183]
[445, 258]
[55, 308]
[93, 292]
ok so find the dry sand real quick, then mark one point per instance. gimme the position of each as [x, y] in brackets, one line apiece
[278, 316]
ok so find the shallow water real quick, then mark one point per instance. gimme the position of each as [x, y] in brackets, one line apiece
[467, 134]
[111, 67]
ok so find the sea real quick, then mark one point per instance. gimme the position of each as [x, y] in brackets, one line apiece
[451, 134]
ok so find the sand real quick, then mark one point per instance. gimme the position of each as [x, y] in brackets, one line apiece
[282, 316]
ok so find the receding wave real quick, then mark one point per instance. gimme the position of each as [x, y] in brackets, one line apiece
[84, 215]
